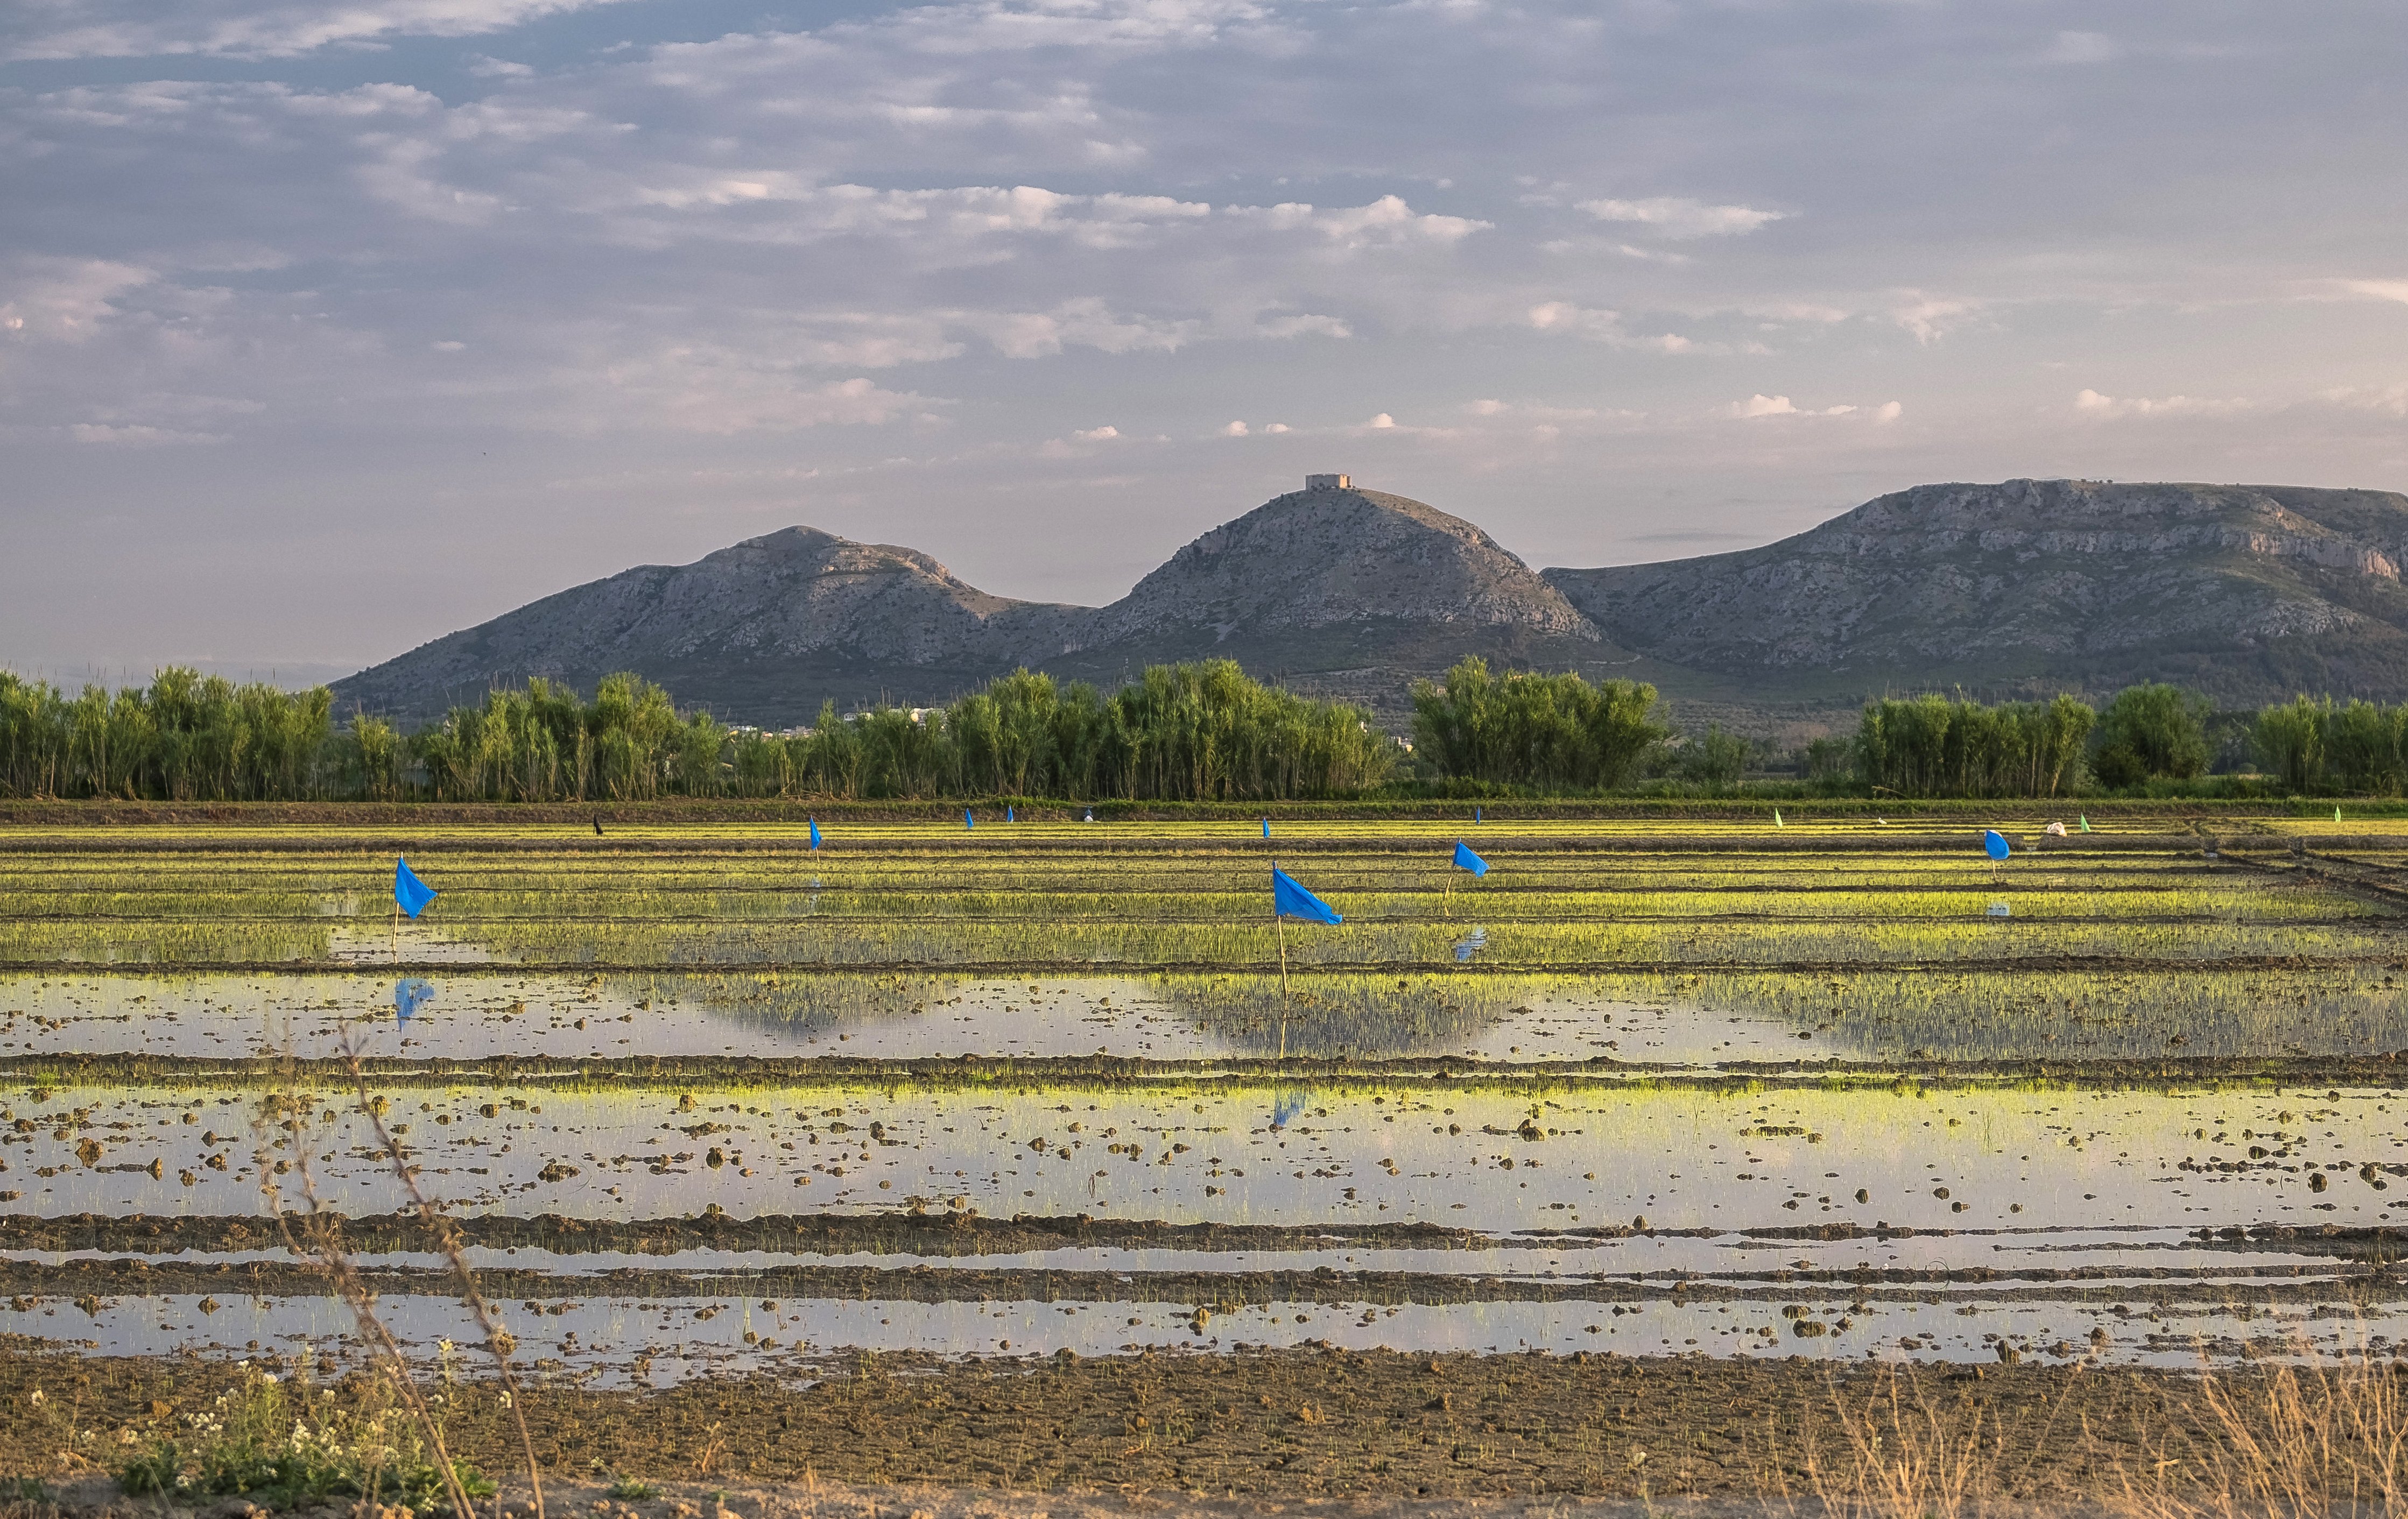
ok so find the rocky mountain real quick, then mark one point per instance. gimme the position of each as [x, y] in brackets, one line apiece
[1340, 589]
[767, 626]
[2247, 592]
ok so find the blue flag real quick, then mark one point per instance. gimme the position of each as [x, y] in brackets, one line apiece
[1266, 824]
[1468, 860]
[967, 820]
[1475, 814]
[815, 833]
[1011, 815]
[1993, 843]
[1290, 900]
[410, 894]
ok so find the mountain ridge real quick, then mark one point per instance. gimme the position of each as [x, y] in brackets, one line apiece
[2020, 586]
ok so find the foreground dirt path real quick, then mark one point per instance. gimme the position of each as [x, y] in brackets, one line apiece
[1292, 1425]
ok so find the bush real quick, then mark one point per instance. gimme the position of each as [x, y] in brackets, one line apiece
[283, 1446]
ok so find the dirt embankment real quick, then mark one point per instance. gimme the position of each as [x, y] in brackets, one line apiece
[1297, 1424]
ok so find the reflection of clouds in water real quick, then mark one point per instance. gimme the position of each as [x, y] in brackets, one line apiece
[412, 994]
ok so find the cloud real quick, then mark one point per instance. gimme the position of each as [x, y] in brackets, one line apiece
[1677, 216]
[136, 436]
[1235, 429]
[2381, 290]
[2083, 47]
[1603, 326]
[1929, 317]
[1380, 423]
[1385, 223]
[63, 300]
[228, 28]
[1083, 323]
[2092, 403]
[1780, 406]
[1098, 435]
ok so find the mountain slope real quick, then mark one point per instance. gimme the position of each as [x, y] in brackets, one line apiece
[1339, 590]
[2243, 592]
[2247, 592]
[777, 622]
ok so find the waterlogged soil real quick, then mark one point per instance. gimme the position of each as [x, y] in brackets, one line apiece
[1700, 1020]
[1488, 1158]
[1292, 1425]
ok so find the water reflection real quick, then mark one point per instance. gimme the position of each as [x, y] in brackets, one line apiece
[409, 994]
[1470, 944]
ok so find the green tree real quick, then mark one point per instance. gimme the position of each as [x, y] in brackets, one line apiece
[2151, 732]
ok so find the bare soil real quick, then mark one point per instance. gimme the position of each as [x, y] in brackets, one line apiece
[1297, 1424]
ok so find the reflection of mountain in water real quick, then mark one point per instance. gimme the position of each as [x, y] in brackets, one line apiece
[1321, 1017]
[785, 1004]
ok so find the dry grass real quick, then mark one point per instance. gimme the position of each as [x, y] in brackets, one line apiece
[1903, 1456]
[2305, 1440]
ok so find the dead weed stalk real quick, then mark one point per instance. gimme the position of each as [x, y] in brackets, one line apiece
[320, 1241]
[2311, 1437]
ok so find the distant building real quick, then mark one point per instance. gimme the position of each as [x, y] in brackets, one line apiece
[1328, 483]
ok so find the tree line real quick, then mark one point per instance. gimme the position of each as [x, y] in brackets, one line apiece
[1199, 732]
[1194, 732]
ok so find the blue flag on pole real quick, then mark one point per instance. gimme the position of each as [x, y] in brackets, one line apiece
[1475, 814]
[1290, 900]
[1993, 843]
[410, 894]
[1464, 857]
[969, 821]
[1266, 824]
[815, 833]
[1010, 815]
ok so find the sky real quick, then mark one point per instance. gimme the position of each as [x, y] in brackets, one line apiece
[330, 326]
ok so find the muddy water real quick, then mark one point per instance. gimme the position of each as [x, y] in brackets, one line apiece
[1666, 1020]
[471, 1017]
[615, 1341]
[1489, 1160]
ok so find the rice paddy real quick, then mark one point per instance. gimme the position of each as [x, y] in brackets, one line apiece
[708, 1101]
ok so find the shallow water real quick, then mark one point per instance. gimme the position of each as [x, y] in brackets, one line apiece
[1700, 1020]
[612, 1342]
[1679, 1157]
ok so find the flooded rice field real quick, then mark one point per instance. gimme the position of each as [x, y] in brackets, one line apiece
[704, 1103]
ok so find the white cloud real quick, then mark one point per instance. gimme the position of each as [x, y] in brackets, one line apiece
[1888, 412]
[1678, 216]
[2381, 290]
[1235, 429]
[1603, 326]
[1098, 435]
[1277, 427]
[1083, 323]
[1933, 317]
[1381, 423]
[1385, 223]
[63, 300]
[227, 28]
[1780, 406]
[135, 436]
[2092, 403]
[1301, 325]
